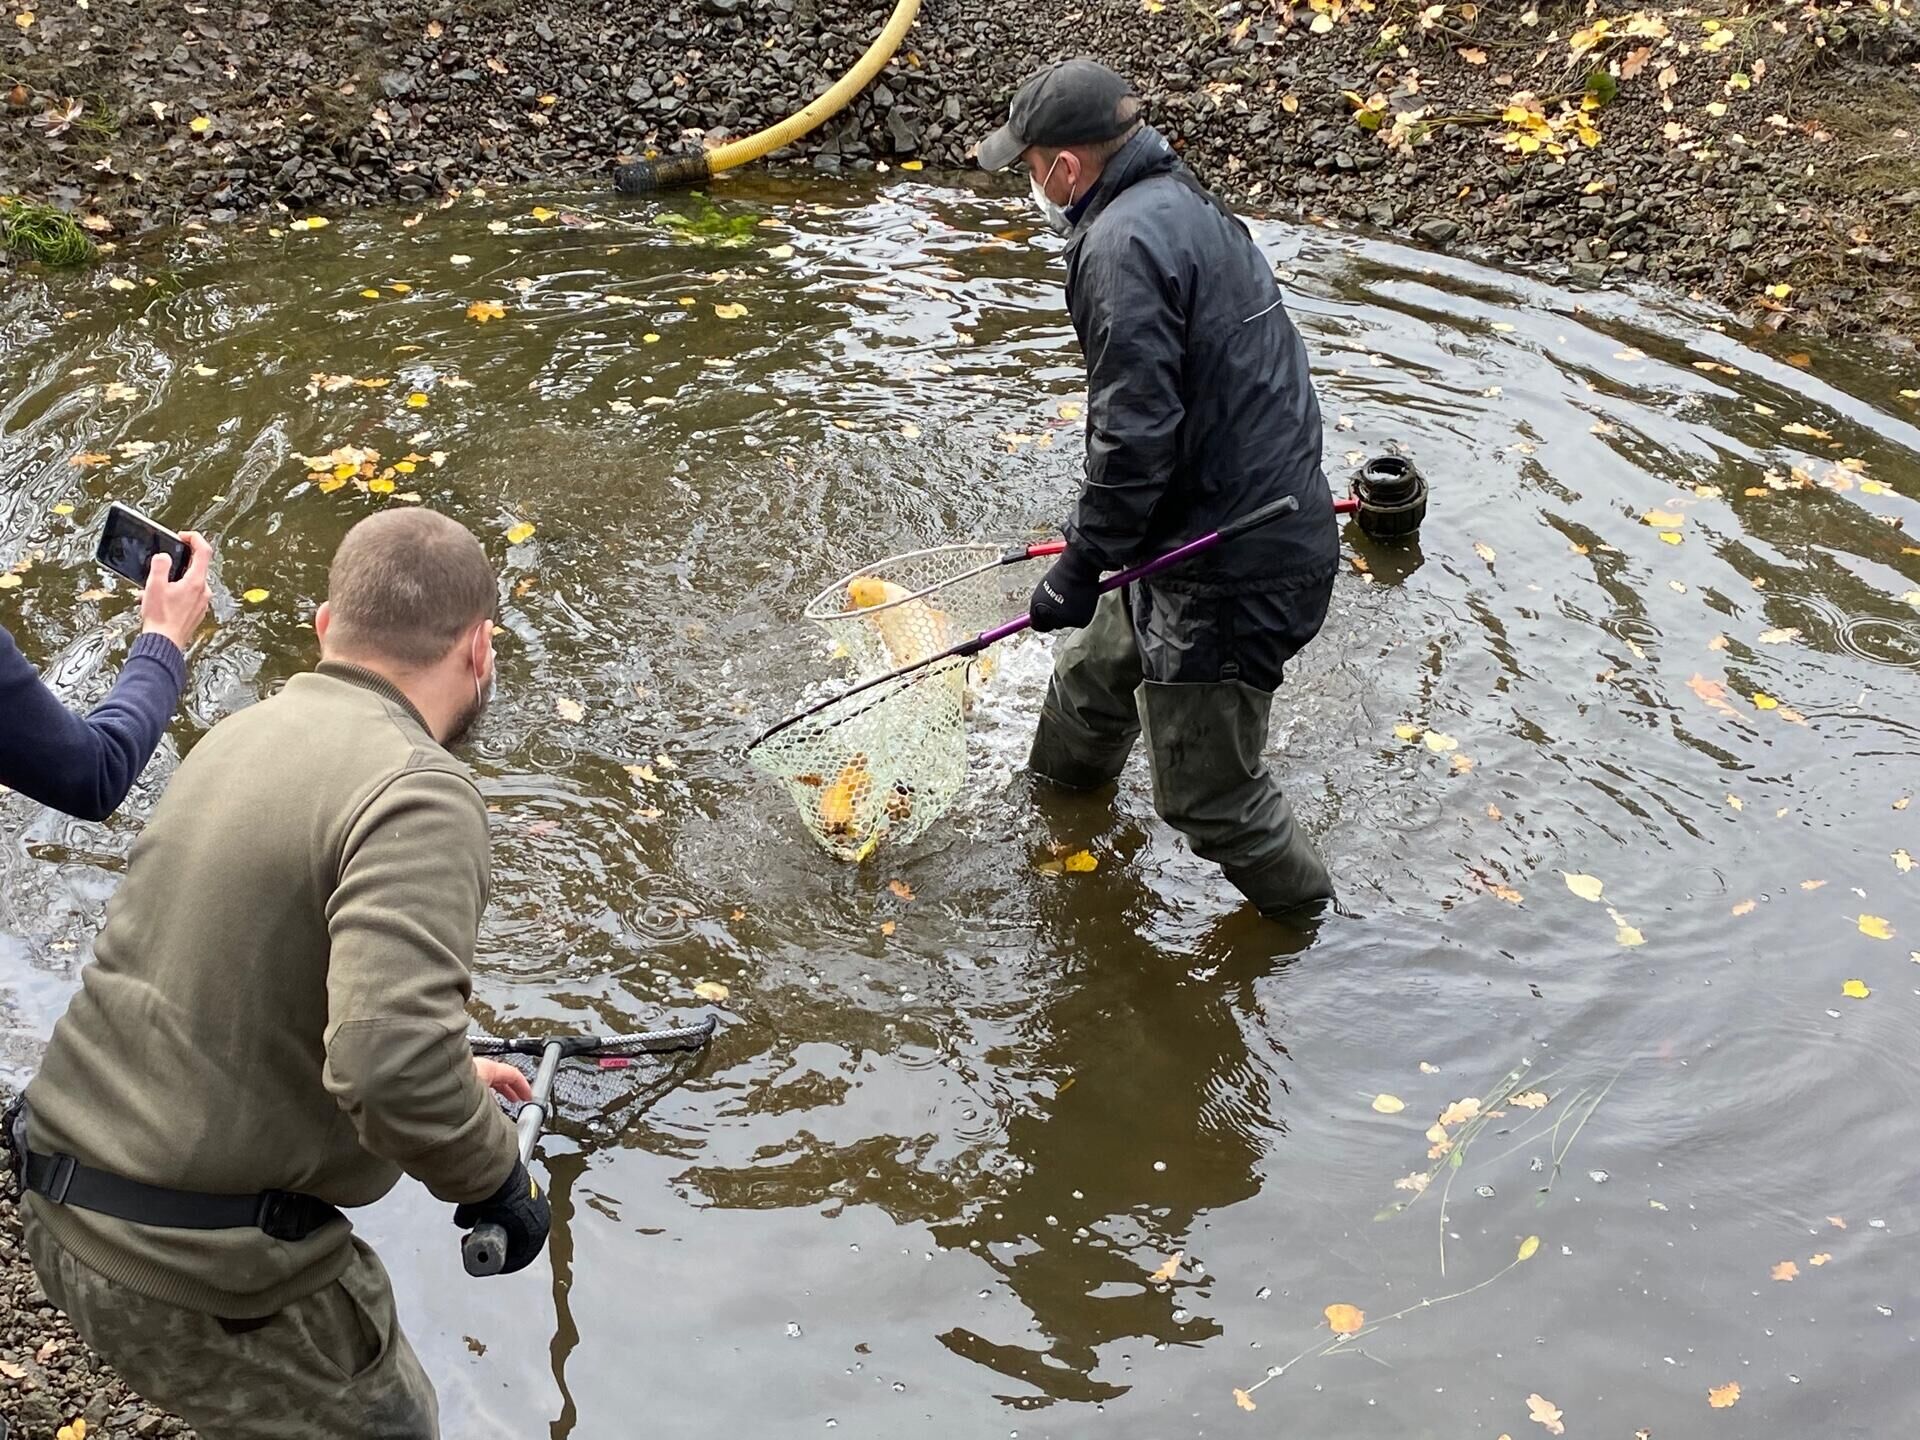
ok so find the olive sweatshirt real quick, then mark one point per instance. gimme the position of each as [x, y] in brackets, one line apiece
[278, 997]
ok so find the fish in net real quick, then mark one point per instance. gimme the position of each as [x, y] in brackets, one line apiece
[877, 764]
[603, 1082]
[908, 607]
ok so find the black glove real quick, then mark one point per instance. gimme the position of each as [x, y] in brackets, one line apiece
[518, 1208]
[1066, 595]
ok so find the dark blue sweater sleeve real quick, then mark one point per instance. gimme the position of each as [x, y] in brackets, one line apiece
[85, 766]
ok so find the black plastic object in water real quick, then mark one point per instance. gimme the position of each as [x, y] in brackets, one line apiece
[1393, 498]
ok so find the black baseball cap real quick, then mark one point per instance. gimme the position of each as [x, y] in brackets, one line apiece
[1072, 102]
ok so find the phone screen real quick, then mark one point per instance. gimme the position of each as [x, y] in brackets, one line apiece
[129, 541]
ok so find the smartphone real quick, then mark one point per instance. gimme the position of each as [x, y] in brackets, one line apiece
[129, 541]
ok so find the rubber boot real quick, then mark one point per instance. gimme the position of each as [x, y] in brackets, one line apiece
[1211, 783]
[1089, 720]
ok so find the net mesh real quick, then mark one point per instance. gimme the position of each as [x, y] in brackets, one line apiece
[911, 606]
[610, 1085]
[882, 764]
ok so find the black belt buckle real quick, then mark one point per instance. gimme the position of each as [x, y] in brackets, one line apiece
[289, 1215]
[60, 1178]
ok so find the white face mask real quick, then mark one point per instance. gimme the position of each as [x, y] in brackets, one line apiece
[1054, 215]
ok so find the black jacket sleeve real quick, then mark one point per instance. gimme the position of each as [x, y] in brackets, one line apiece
[85, 765]
[1130, 316]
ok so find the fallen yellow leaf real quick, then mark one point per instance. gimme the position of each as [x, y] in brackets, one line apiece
[540, 212]
[1663, 519]
[1530, 1100]
[485, 310]
[1529, 1247]
[1081, 862]
[369, 294]
[1403, 732]
[901, 889]
[1624, 932]
[199, 124]
[518, 533]
[1902, 861]
[1670, 537]
[1545, 1412]
[650, 338]
[253, 596]
[1764, 701]
[1389, 1104]
[1458, 1113]
[1720, 1397]
[572, 711]
[913, 164]
[1585, 886]
[417, 400]
[1345, 1319]
[1244, 1400]
[1745, 907]
[731, 311]
[1822, 1258]
[1875, 927]
[1167, 1271]
[1484, 551]
[1440, 744]
[712, 991]
[1785, 1270]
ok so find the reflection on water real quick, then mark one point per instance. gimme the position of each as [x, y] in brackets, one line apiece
[1660, 630]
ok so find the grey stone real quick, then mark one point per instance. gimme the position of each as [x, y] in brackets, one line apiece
[396, 83]
[1436, 232]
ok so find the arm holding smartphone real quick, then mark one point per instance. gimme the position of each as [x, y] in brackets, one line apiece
[85, 765]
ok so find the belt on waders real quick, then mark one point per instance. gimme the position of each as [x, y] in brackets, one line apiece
[63, 1180]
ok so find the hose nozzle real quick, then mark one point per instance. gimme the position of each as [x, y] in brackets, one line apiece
[670, 172]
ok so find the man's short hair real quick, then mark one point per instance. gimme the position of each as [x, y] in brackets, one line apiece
[405, 585]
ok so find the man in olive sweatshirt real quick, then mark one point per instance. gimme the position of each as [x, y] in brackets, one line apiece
[273, 1026]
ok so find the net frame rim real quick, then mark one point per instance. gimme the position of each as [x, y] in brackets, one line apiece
[831, 594]
[696, 1036]
[889, 687]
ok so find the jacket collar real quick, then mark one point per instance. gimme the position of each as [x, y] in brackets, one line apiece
[1146, 155]
[372, 680]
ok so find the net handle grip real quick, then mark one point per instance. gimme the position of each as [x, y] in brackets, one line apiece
[1253, 520]
[483, 1249]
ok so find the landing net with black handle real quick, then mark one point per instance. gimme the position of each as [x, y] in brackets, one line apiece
[603, 1082]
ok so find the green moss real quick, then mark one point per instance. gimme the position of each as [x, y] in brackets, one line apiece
[709, 225]
[42, 233]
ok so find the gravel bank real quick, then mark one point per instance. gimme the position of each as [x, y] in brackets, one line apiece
[1784, 151]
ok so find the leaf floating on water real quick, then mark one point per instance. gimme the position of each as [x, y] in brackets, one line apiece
[253, 596]
[731, 311]
[1345, 1319]
[482, 311]
[1458, 1113]
[1711, 691]
[1779, 637]
[1484, 551]
[572, 711]
[712, 991]
[1440, 744]
[1081, 862]
[1902, 861]
[1416, 1182]
[901, 889]
[1796, 428]
[1722, 1397]
[1545, 1412]
[1624, 932]
[541, 212]
[87, 459]
[1244, 1400]
[417, 400]
[1585, 886]
[1663, 519]
[1875, 927]
[520, 532]
[1745, 907]
[1821, 1259]
[1671, 537]
[1167, 1271]
[1764, 701]
[1836, 1222]
[1811, 884]
[887, 927]
[1427, 1069]
[1785, 1270]
[1530, 1100]
[1529, 1247]
[1403, 732]
[1389, 1104]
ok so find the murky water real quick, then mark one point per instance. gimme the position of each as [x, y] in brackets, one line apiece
[926, 1181]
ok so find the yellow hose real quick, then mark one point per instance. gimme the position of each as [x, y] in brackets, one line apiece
[645, 175]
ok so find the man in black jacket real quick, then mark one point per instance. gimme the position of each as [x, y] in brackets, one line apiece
[1200, 409]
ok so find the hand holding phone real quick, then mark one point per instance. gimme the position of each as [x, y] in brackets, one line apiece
[170, 569]
[175, 607]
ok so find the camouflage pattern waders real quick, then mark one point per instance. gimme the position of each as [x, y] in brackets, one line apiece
[330, 1366]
